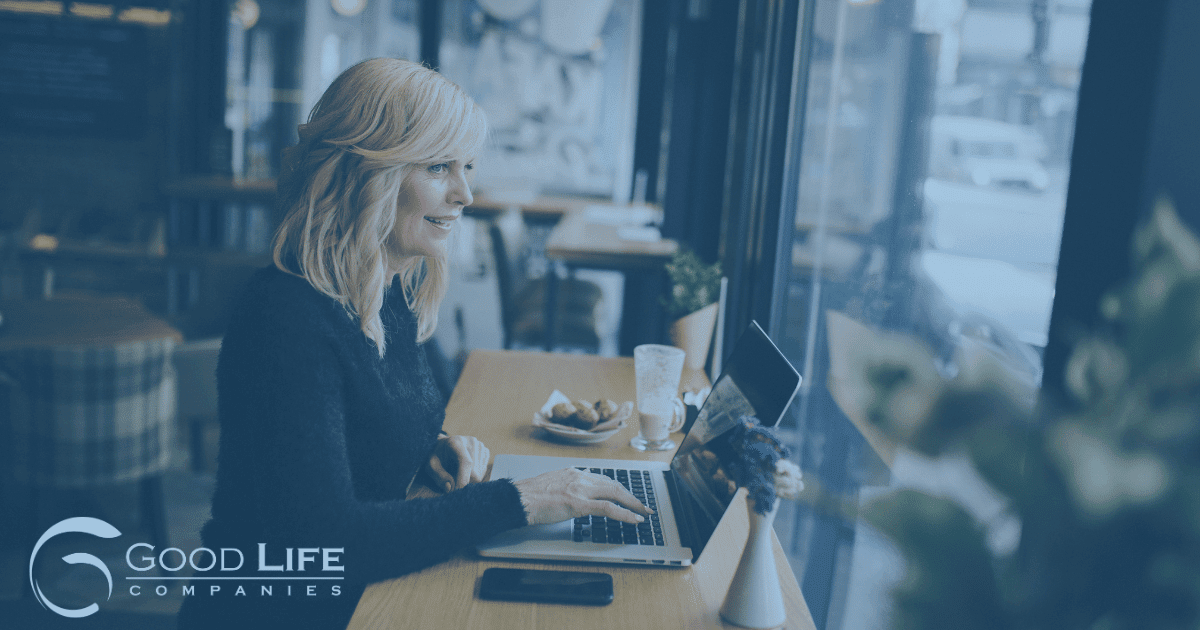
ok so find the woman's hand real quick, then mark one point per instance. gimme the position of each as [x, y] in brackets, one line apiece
[457, 460]
[562, 494]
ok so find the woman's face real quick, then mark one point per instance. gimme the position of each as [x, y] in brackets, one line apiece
[432, 198]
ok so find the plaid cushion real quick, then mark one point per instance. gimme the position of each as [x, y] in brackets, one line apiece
[90, 415]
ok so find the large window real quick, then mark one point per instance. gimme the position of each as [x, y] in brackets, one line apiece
[934, 138]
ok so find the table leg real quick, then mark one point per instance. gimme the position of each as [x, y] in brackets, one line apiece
[154, 508]
[549, 325]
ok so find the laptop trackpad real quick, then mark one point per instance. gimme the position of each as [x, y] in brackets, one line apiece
[553, 531]
[531, 534]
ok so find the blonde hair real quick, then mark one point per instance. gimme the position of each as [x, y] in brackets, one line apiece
[340, 184]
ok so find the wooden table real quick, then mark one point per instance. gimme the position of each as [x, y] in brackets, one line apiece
[541, 206]
[579, 243]
[576, 241]
[496, 397]
[79, 321]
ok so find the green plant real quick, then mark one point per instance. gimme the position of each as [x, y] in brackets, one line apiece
[1106, 495]
[694, 284]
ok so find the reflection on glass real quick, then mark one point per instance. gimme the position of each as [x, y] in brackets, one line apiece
[702, 460]
[933, 173]
[558, 80]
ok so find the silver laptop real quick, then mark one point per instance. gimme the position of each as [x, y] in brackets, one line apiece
[689, 495]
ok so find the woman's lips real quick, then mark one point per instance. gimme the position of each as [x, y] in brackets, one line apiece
[445, 222]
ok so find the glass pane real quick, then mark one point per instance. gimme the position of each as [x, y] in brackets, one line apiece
[262, 96]
[558, 80]
[934, 162]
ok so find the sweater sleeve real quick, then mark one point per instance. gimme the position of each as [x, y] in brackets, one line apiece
[290, 390]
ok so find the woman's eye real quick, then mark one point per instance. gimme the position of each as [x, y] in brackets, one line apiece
[439, 168]
[469, 166]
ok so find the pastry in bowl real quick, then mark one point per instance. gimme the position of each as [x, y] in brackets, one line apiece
[582, 414]
[582, 420]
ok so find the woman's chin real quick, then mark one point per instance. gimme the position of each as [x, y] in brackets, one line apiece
[440, 253]
[427, 248]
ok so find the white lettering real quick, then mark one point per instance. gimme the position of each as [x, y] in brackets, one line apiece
[289, 589]
[262, 559]
[266, 590]
[150, 558]
[241, 559]
[304, 555]
[288, 558]
[312, 590]
[337, 590]
[212, 590]
[160, 590]
[189, 589]
[163, 563]
[192, 558]
[330, 559]
[240, 591]
[137, 592]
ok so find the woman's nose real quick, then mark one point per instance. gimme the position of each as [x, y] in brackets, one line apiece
[460, 189]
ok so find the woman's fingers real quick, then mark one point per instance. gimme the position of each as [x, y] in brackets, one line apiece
[482, 457]
[472, 458]
[563, 494]
[462, 453]
[614, 491]
[440, 475]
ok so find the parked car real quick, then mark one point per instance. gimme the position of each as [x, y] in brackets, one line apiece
[987, 152]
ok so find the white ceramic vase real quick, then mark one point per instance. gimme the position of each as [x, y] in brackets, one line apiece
[693, 333]
[755, 599]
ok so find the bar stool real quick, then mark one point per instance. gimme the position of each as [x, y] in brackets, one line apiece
[91, 398]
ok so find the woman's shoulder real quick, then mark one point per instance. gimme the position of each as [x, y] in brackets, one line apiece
[275, 300]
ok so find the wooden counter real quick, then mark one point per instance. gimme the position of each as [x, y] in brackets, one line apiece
[495, 401]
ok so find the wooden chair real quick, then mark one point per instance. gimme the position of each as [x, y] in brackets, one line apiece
[196, 397]
[523, 300]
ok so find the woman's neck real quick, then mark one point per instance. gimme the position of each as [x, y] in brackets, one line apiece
[396, 265]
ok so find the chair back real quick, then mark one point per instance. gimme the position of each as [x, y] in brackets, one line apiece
[506, 281]
[511, 250]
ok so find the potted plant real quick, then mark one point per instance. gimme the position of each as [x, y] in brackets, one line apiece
[1105, 496]
[692, 305]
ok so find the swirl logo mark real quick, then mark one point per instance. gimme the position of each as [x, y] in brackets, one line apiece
[82, 525]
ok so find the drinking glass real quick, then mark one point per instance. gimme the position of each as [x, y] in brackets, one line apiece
[660, 411]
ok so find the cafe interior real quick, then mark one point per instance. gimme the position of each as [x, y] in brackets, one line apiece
[875, 183]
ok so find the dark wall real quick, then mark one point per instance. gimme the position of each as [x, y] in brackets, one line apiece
[684, 99]
[71, 177]
[1173, 164]
[1136, 136]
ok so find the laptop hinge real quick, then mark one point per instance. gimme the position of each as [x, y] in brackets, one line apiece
[684, 515]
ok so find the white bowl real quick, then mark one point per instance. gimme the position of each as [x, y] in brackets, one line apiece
[541, 419]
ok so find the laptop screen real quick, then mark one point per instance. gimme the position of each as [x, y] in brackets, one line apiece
[758, 380]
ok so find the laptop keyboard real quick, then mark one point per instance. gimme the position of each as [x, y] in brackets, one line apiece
[599, 529]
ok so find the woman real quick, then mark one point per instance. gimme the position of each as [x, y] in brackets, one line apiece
[328, 408]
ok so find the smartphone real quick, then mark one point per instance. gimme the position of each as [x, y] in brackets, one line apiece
[538, 585]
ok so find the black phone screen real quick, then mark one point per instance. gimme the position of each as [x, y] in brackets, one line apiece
[536, 585]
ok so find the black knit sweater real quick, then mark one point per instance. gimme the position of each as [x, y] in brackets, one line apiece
[320, 438]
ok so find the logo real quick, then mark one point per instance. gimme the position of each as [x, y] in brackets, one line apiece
[312, 569]
[81, 525]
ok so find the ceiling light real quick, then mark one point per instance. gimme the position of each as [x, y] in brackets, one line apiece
[246, 12]
[348, 8]
[93, 11]
[145, 15]
[25, 6]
